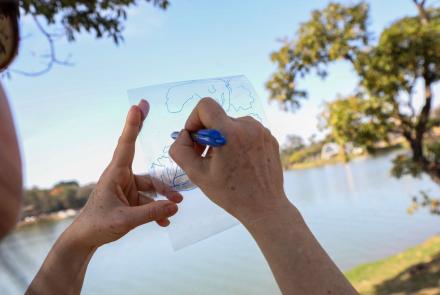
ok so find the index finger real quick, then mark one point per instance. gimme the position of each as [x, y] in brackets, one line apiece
[207, 114]
[124, 152]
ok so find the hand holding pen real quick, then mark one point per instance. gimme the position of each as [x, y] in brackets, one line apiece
[206, 137]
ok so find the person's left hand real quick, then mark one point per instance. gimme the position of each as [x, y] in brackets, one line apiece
[117, 204]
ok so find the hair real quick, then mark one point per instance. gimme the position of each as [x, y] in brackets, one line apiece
[10, 9]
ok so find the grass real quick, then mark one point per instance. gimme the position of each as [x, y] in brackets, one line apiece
[414, 271]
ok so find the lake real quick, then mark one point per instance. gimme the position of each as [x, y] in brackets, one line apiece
[357, 211]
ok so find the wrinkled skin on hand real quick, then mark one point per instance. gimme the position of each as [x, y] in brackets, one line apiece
[118, 204]
[244, 177]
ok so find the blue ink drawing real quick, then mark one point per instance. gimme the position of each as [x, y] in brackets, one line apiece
[234, 94]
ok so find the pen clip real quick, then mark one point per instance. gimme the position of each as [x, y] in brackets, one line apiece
[210, 137]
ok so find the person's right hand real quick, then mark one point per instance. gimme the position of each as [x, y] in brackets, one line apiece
[244, 177]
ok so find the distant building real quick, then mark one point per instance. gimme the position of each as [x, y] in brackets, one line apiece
[329, 150]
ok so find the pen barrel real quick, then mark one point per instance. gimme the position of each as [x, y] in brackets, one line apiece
[211, 137]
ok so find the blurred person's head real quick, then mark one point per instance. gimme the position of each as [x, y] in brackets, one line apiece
[10, 164]
[9, 32]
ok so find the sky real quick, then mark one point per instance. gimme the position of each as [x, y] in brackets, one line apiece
[69, 119]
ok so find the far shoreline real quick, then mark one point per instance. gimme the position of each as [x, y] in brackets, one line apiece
[318, 163]
[55, 216]
[70, 213]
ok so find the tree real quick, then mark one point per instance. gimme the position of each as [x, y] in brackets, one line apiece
[65, 192]
[83, 194]
[63, 195]
[293, 143]
[68, 18]
[335, 33]
[407, 52]
[353, 119]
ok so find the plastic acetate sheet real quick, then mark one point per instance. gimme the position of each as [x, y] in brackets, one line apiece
[170, 105]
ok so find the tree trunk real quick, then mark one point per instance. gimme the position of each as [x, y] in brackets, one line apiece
[431, 168]
[416, 138]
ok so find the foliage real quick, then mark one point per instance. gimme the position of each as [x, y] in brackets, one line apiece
[404, 165]
[68, 18]
[312, 151]
[64, 195]
[332, 34]
[293, 144]
[301, 154]
[353, 119]
[407, 51]
[425, 201]
[101, 17]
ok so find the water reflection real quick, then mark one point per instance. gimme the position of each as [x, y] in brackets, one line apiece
[349, 178]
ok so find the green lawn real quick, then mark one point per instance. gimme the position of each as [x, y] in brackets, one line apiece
[414, 271]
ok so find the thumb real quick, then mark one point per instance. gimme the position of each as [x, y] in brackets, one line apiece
[182, 151]
[153, 211]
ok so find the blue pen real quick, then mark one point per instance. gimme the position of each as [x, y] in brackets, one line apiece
[211, 137]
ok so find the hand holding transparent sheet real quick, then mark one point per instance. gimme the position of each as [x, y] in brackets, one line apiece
[171, 104]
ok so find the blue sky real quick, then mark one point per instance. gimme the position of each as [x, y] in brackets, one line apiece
[70, 118]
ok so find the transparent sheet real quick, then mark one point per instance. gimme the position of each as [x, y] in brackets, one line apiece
[170, 105]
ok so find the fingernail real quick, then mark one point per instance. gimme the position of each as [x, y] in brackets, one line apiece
[171, 209]
[144, 106]
[178, 197]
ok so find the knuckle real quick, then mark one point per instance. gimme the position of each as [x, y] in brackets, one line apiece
[149, 214]
[258, 123]
[206, 101]
[275, 143]
[154, 213]
[211, 106]
[257, 129]
[209, 102]
[267, 132]
[248, 118]
[172, 152]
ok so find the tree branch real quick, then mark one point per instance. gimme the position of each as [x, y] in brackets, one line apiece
[52, 56]
[405, 127]
[417, 2]
[409, 103]
[424, 113]
[422, 11]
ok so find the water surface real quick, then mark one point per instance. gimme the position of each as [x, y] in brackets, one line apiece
[357, 211]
